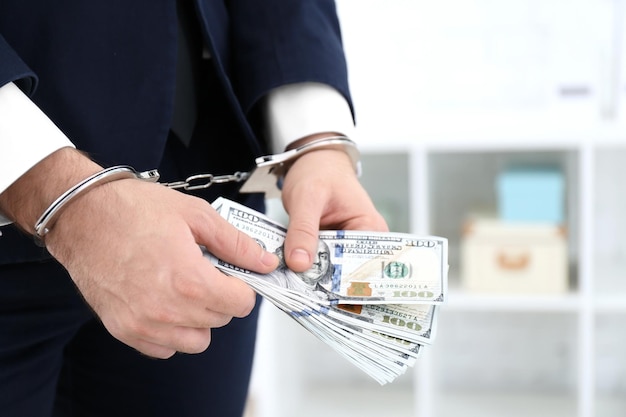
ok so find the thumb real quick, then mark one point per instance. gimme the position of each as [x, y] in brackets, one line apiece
[302, 235]
[230, 244]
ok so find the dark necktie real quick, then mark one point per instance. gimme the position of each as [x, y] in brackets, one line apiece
[187, 68]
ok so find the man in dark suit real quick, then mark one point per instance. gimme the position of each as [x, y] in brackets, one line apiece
[120, 314]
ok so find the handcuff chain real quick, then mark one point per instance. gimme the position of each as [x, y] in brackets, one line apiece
[265, 178]
[206, 180]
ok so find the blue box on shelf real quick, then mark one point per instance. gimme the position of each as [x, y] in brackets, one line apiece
[531, 194]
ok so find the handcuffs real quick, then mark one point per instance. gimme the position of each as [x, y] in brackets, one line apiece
[270, 169]
[266, 178]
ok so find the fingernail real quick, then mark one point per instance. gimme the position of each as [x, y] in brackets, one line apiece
[269, 259]
[300, 256]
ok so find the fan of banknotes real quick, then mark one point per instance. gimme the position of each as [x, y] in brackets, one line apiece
[371, 296]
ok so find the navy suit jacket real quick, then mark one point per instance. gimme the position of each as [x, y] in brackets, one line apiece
[104, 70]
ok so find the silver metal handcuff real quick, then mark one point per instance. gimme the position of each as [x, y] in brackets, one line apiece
[270, 169]
[265, 178]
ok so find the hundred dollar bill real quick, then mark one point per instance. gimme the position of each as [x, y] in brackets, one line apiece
[382, 358]
[415, 323]
[412, 323]
[386, 268]
[382, 339]
[383, 363]
[352, 267]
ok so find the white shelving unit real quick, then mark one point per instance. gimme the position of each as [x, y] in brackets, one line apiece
[445, 100]
[556, 355]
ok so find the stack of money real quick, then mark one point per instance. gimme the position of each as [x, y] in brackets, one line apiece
[371, 296]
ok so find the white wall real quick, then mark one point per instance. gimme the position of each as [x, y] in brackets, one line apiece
[421, 67]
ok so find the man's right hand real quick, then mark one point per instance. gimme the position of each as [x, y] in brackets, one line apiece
[131, 248]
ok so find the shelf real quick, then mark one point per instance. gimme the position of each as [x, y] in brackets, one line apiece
[463, 301]
[610, 303]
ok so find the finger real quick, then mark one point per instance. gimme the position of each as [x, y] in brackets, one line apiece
[373, 222]
[303, 232]
[228, 243]
[179, 324]
[231, 296]
[161, 339]
[179, 339]
[210, 298]
[150, 349]
[189, 340]
[365, 216]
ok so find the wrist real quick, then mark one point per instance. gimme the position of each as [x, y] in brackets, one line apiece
[48, 218]
[271, 169]
[326, 141]
[311, 138]
[30, 195]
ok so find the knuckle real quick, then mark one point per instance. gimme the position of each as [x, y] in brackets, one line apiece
[165, 354]
[247, 247]
[196, 343]
[219, 320]
[118, 329]
[241, 244]
[134, 329]
[247, 304]
[306, 228]
[224, 321]
[188, 289]
[163, 316]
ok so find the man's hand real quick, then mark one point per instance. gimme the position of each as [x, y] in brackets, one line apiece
[321, 190]
[132, 248]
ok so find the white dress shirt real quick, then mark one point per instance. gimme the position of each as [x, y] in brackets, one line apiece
[292, 111]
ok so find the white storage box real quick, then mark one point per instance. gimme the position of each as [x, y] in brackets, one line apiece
[514, 257]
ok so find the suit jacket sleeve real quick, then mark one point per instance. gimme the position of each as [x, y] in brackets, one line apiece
[12, 68]
[281, 42]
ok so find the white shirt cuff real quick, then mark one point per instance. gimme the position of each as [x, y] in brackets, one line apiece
[297, 110]
[28, 136]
